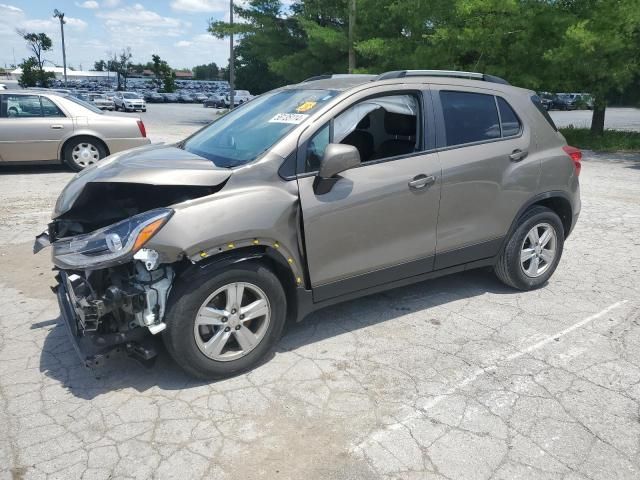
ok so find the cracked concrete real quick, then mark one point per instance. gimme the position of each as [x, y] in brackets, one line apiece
[456, 378]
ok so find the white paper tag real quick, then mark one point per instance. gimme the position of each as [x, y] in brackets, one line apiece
[294, 118]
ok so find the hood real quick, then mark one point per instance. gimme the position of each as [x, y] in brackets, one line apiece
[149, 165]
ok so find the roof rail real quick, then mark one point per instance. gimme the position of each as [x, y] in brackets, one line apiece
[339, 75]
[442, 73]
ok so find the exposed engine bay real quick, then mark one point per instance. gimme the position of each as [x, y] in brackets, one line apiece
[115, 291]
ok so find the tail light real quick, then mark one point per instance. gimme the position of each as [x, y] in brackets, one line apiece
[143, 131]
[576, 155]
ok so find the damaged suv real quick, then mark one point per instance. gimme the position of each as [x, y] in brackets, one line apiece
[312, 194]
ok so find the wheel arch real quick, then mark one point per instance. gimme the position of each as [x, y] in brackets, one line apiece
[273, 258]
[557, 201]
[81, 135]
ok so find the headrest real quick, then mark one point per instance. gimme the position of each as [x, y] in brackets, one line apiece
[364, 123]
[399, 124]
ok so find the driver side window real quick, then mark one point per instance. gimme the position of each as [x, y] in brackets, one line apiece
[379, 128]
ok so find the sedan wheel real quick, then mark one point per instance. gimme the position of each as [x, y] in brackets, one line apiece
[83, 152]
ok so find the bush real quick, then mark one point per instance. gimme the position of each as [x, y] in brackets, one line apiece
[609, 141]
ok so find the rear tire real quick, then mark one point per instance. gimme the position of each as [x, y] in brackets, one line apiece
[533, 251]
[81, 152]
[191, 336]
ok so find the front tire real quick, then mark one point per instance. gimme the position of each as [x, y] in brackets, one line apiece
[222, 323]
[533, 251]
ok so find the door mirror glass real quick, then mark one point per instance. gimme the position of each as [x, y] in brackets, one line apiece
[337, 158]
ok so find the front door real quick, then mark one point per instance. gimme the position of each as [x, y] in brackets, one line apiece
[378, 222]
[31, 128]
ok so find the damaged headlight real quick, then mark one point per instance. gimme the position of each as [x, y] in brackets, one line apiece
[110, 245]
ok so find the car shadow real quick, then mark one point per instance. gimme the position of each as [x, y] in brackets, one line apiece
[34, 169]
[59, 361]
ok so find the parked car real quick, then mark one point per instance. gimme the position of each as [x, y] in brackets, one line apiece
[200, 97]
[342, 192]
[546, 99]
[101, 101]
[565, 101]
[239, 97]
[47, 127]
[170, 97]
[584, 101]
[185, 98]
[129, 102]
[155, 97]
[214, 101]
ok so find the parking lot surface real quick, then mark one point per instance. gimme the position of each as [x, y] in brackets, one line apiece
[455, 378]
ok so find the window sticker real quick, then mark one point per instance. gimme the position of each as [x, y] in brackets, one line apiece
[306, 106]
[294, 118]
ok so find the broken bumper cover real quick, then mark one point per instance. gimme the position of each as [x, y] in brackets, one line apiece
[94, 348]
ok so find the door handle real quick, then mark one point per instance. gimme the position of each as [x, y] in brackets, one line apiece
[518, 155]
[422, 181]
[57, 126]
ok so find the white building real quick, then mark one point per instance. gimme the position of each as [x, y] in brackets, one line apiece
[71, 74]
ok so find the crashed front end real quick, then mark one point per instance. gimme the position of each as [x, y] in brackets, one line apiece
[111, 290]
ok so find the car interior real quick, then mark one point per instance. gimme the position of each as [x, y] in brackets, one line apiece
[379, 128]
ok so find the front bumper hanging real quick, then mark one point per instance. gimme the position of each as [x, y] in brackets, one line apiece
[94, 348]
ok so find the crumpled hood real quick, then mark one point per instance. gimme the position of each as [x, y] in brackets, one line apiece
[148, 165]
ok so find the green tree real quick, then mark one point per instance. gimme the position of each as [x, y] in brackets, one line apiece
[33, 73]
[121, 64]
[164, 73]
[100, 66]
[32, 76]
[599, 52]
[206, 72]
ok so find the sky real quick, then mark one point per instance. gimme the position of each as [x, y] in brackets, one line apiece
[174, 29]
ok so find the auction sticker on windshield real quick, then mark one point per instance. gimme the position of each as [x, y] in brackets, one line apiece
[294, 118]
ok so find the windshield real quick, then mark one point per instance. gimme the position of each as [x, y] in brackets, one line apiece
[84, 104]
[246, 133]
[130, 95]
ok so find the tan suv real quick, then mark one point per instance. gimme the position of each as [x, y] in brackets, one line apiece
[46, 127]
[306, 196]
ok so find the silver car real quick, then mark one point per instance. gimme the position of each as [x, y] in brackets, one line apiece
[306, 196]
[129, 102]
[47, 127]
[101, 101]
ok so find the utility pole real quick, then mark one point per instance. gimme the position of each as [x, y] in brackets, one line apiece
[231, 60]
[58, 14]
[352, 26]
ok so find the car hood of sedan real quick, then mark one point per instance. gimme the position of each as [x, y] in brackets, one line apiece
[148, 165]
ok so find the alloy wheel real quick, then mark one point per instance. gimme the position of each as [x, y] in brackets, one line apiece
[538, 250]
[232, 321]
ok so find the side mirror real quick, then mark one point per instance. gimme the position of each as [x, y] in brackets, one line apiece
[336, 159]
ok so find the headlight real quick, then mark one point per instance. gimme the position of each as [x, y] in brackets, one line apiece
[110, 245]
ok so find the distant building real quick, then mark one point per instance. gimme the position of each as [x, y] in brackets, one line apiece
[71, 74]
[184, 75]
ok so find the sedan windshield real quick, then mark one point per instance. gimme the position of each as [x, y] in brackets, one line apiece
[246, 133]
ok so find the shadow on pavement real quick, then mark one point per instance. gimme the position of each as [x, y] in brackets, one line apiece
[34, 169]
[60, 362]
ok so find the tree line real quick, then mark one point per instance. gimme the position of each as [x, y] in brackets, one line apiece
[553, 45]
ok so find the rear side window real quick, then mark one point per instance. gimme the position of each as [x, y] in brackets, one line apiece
[535, 99]
[508, 119]
[469, 117]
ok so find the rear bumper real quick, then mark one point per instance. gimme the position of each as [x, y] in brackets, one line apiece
[118, 144]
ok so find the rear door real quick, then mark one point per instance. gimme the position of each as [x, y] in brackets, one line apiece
[488, 172]
[31, 128]
[378, 222]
